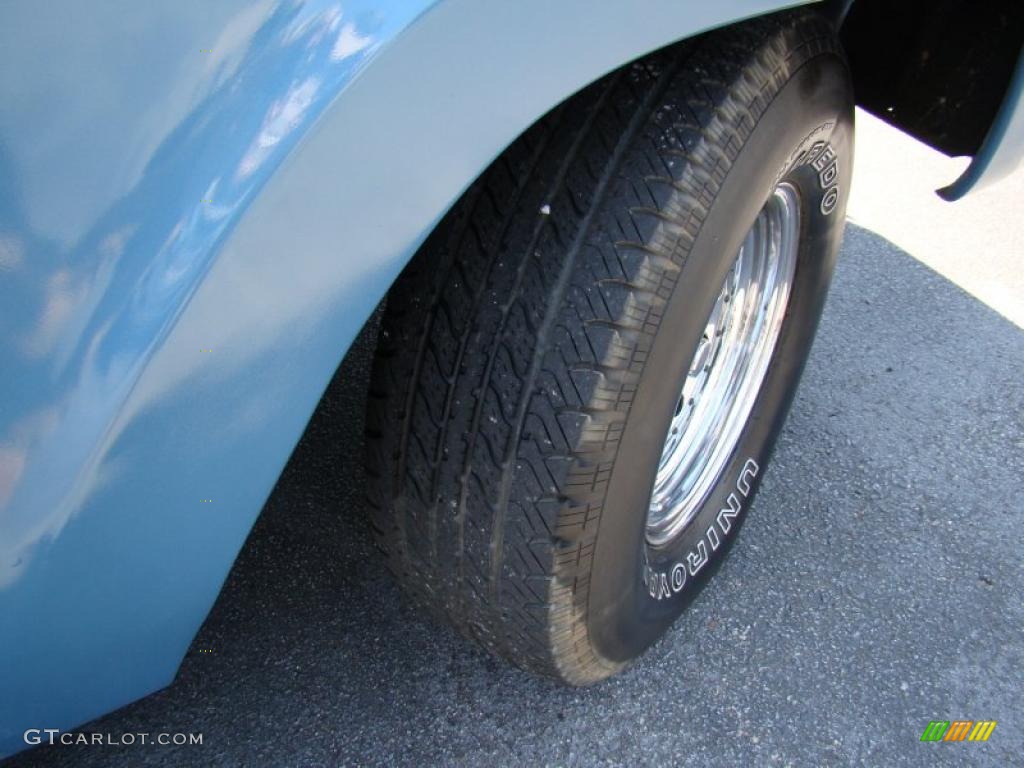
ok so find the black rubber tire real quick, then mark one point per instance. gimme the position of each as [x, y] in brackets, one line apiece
[531, 354]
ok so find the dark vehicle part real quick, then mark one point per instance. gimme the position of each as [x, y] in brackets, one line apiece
[937, 69]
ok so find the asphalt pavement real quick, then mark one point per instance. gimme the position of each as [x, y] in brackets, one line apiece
[876, 586]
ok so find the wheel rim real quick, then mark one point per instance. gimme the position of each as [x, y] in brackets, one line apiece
[728, 368]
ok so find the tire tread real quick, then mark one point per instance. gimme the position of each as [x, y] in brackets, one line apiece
[512, 344]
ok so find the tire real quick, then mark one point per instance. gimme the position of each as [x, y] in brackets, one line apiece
[532, 354]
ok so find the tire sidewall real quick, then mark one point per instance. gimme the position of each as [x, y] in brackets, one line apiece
[636, 591]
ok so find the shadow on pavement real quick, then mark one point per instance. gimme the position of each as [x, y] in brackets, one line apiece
[877, 586]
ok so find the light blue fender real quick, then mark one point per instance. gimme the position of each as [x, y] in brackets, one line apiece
[200, 205]
[1002, 151]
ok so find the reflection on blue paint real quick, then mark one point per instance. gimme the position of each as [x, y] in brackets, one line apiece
[118, 185]
[77, 321]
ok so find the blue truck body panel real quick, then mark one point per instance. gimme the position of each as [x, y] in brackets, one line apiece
[200, 205]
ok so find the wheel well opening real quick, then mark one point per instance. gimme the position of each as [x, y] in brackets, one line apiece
[937, 69]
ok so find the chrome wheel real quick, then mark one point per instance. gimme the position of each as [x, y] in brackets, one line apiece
[728, 367]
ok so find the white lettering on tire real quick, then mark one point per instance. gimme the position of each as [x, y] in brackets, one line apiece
[662, 584]
[824, 160]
